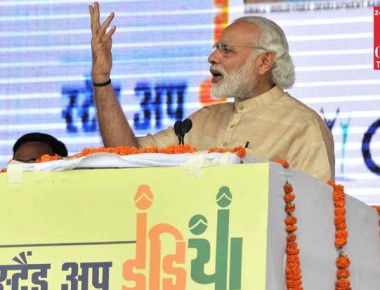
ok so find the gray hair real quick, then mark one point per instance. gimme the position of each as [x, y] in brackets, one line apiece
[273, 38]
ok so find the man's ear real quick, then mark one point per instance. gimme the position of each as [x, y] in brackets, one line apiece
[266, 62]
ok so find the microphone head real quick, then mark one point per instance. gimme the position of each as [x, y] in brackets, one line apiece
[186, 126]
[177, 128]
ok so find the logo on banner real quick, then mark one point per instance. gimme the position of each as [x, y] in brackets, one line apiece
[366, 142]
[152, 267]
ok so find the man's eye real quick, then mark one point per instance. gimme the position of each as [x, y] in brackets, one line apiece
[226, 50]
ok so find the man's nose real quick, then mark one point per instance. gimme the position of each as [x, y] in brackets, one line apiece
[214, 57]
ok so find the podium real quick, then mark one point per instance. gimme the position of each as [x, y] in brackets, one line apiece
[218, 227]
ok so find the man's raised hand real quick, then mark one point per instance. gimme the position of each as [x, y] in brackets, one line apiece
[101, 45]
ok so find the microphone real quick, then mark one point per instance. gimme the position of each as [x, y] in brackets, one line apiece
[178, 130]
[185, 128]
[181, 128]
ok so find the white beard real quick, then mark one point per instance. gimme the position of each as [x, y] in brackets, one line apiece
[238, 84]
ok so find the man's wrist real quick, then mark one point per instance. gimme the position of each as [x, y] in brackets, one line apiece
[103, 84]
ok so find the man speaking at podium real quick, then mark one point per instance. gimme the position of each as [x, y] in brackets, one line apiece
[250, 63]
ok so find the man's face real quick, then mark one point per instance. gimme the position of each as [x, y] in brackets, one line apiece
[233, 62]
[30, 151]
[239, 83]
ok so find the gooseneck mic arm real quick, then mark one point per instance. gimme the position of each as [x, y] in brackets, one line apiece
[177, 131]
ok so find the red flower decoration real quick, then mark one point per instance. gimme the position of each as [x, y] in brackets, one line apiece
[293, 267]
[341, 236]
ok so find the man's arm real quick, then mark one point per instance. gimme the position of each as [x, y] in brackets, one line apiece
[113, 124]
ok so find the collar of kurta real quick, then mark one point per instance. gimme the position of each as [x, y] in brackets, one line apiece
[263, 100]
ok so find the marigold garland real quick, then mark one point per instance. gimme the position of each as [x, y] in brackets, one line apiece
[177, 149]
[124, 150]
[341, 236]
[47, 157]
[239, 151]
[293, 271]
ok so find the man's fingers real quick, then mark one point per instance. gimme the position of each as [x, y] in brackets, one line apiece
[110, 33]
[91, 10]
[100, 31]
[94, 17]
[106, 23]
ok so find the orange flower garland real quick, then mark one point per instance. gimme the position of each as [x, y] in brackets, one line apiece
[239, 151]
[124, 150]
[177, 149]
[341, 236]
[293, 266]
[47, 157]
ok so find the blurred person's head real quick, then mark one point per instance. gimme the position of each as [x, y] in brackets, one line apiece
[32, 146]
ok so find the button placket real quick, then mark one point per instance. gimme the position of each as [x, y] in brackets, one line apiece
[231, 127]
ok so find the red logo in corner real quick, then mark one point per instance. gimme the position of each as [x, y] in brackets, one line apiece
[376, 37]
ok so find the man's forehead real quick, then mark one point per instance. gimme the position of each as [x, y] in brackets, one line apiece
[32, 150]
[35, 145]
[239, 31]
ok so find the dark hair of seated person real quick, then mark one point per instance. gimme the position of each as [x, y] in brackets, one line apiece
[31, 146]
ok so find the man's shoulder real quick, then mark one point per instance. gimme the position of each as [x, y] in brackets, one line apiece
[292, 105]
[290, 111]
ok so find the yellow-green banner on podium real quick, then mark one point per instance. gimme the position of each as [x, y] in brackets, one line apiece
[148, 228]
